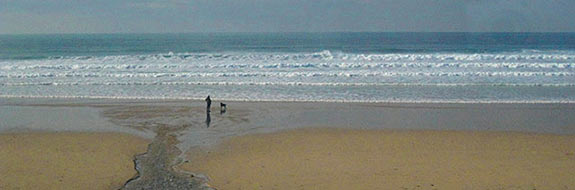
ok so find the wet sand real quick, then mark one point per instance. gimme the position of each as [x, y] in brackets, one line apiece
[388, 159]
[67, 160]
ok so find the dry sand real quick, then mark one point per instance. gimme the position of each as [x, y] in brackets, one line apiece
[67, 160]
[380, 159]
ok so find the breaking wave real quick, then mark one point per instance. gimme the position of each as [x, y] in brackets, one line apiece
[288, 75]
[271, 84]
[521, 76]
[329, 55]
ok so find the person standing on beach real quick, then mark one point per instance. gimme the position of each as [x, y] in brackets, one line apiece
[209, 102]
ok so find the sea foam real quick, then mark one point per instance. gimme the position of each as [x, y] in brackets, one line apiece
[315, 76]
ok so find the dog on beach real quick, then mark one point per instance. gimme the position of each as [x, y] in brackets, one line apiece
[223, 107]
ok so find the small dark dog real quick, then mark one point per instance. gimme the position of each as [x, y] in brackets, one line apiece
[223, 107]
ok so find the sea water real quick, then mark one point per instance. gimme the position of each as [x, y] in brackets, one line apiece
[334, 67]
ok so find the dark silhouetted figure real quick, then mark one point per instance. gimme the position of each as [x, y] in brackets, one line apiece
[223, 108]
[209, 102]
[208, 119]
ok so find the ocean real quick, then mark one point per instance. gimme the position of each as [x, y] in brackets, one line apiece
[330, 67]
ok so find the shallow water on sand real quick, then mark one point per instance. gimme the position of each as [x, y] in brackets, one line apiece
[139, 117]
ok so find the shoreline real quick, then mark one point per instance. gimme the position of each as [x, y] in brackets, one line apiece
[137, 116]
[171, 99]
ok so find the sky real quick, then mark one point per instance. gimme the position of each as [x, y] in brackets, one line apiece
[181, 16]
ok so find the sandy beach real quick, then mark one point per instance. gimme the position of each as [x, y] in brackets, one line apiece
[284, 145]
[67, 160]
[385, 159]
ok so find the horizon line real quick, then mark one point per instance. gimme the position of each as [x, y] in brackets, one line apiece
[292, 32]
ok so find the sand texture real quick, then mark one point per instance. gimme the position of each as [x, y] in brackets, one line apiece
[384, 159]
[67, 160]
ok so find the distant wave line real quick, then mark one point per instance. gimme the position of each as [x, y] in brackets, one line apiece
[277, 84]
[329, 55]
[287, 74]
[336, 65]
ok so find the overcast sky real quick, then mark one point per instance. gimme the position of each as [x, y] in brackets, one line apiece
[170, 16]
